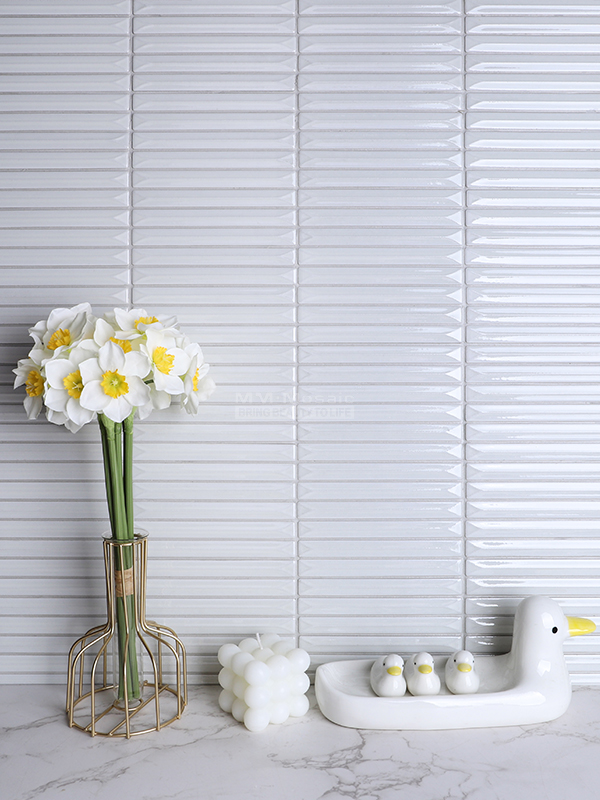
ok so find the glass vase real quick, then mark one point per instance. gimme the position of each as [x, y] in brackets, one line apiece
[125, 597]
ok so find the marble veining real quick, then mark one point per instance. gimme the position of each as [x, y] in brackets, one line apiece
[209, 755]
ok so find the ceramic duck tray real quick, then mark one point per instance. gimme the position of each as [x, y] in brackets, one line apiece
[530, 684]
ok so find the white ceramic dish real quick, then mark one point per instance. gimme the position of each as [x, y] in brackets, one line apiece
[530, 684]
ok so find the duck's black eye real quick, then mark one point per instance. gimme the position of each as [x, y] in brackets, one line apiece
[555, 629]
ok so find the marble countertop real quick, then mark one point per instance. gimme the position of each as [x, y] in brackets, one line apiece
[208, 756]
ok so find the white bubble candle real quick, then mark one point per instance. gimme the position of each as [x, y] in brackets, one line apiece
[264, 681]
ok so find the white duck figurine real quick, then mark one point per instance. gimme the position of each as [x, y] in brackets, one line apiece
[387, 678]
[526, 686]
[460, 674]
[533, 679]
[422, 678]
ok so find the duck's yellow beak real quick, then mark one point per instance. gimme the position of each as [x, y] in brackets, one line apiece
[425, 669]
[395, 671]
[580, 625]
[464, 668]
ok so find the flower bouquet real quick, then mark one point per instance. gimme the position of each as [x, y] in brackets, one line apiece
[113, 368]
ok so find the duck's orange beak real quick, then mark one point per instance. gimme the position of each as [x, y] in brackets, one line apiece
[579, 625]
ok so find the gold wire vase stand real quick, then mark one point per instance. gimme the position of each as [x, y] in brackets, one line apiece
[106, 692]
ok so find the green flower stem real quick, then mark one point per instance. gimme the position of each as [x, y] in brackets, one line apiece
[127, 460]
[107, 481]
[118, 475]
[133, 681]
[115, 470]
[128, 471]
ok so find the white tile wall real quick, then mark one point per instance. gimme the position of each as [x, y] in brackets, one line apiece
[380, 219]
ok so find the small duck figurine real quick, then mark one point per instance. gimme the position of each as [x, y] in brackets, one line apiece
[460, 674]
[387, 679]
[422, 678]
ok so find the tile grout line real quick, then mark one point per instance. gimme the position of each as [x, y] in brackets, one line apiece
[296, 355]
[464, 326]
[130, 143]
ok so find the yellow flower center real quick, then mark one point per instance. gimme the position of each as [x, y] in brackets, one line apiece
[34, 385]
[195, 380]
[163, 361]
[73, 384]
[59, 337]
[123, 344]
[144, 321]
[114, 384]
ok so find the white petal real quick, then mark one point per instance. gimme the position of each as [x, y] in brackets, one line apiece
[190, 407]
[111, 358]
[181, 363]
[56, 399]
[33, 406]
[136, 363]
[159, 380]
[56, 319]
[168, 383]
[86, 349]
[79, 415]
[118, 408]
[22, 370]
[55, 417]
[126, 319]
[93, 397]
[205, 388]
[81, 328]
[90, 370]
[193, 349]
[139, 393]
[202, 370]
[71, 426]
[161, 400]
[103, 332]
[57, 370]
[82, 308]
[38, 331]
[37, 355]
[145, 410]
[155, 338]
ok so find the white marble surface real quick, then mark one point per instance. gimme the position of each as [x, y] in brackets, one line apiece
[208, 756]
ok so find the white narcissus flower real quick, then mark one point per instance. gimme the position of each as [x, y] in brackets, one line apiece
[28, 372]
[197, 384]
[136, 321]
[65, 386]
[168, 361]
[105, 331]
[64, 328]
[125, 360]
[204, 388]
[113, 382]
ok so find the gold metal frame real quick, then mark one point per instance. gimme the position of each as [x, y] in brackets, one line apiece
[126, 718]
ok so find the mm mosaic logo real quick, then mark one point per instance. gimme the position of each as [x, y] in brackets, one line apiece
[289, 407]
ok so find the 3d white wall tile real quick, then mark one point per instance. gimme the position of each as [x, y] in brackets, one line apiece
[380, 220]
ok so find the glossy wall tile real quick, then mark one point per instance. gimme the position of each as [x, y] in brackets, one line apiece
[530, 473]
[380, 220]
